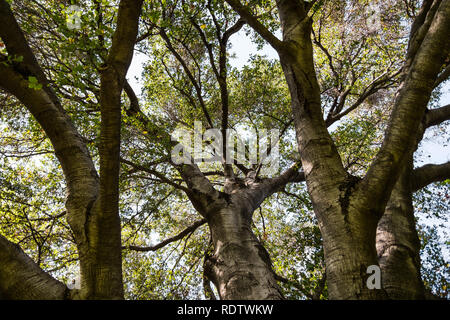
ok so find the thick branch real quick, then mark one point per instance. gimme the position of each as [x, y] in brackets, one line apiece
[420, 27]
[79, 171]
[21, 278]
[409, 108]
[437, 116]
[112, 83]
[291, 175]
[102, 267]
[253, 21]
[257, 192]
[430, 173]
[232, 30]
[17, 46]
[134, 101]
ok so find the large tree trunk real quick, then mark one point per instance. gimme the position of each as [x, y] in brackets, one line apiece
[398, 244]
[348, 233]
[240, 266]
[348, 230]
[349, 249]
[348, 210]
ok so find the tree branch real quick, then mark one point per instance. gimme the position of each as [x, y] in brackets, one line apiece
[21, 278]
[409, 109]
[258, 191]
[377, 84]
[294, 284]
[253, 21]
[179, 236]
[191, 174]
[420, 27]
[188, 72]
[70, 148]
[103, 253]
[232, 30]
[155, 173]
[430, 173]
[443, 76]
[437, 116]
[17, 46]
[291, 175]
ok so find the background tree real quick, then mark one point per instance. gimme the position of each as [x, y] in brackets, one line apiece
[342, 201]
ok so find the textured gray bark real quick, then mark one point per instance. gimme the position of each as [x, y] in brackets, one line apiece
[92, 201]
[398, 244]
[348, 209]
[101, 257]
[22, 279]
[348, 233]
[239, 266]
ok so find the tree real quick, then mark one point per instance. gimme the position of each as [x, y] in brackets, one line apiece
[335, 72]
[92, 201]
[340, 201]
[239, 266]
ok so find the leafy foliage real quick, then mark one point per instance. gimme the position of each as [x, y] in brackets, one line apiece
[186, 71]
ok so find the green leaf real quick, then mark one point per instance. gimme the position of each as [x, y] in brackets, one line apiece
[33, 83]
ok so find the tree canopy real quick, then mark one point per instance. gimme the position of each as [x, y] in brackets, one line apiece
[330, 170]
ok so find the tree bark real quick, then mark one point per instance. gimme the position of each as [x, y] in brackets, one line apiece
[398, 244]
[22, 279]
[348, 233]
[348, 209]
[101, 259]
[240, 267]
[92, 201]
